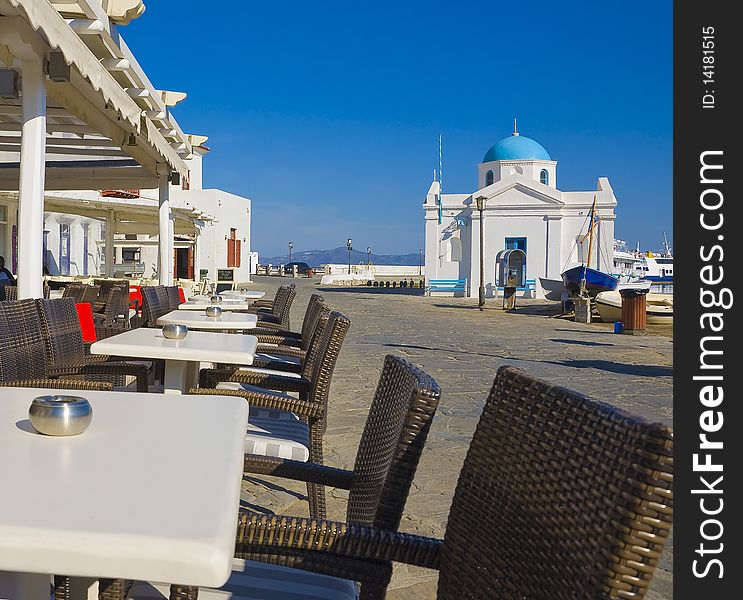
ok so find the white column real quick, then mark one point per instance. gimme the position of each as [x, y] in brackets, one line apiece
[31, 184]
[165, 238]
[197, 255]
[109, 249]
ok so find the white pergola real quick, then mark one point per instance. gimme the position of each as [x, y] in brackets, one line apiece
[82, 116]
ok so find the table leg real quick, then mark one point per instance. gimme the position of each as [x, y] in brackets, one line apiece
[22, 586]
[176, 376]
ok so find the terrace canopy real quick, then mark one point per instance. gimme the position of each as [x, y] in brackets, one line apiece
[77, 112]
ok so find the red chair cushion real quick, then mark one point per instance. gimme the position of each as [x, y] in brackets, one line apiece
[135, 293]
[182, 294]
[85, 314]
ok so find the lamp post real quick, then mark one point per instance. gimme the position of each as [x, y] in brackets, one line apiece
[291, 245]
[368, 256]
[348, 245]
[420, 262]
[481, 295]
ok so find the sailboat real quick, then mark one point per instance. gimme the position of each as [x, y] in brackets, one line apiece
[583, 280]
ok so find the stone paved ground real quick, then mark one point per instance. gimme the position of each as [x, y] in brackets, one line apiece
[462, 348]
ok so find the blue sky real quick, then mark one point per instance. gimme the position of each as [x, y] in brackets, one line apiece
[327, 115]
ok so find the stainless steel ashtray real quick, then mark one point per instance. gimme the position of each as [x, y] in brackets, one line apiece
[215, 299]
[60, 415]
[213, 311]
[175, 331]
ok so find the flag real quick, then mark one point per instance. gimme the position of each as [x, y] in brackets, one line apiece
[441, 183]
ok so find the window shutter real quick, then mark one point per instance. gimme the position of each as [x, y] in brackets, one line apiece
[238, 245]
[230, 253]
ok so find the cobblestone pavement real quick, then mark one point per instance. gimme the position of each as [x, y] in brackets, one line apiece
[462, 348]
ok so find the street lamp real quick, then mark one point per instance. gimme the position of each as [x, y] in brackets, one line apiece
[480, 207]
[420, 262]
[291, 245]
[348, 245]
[368, 256]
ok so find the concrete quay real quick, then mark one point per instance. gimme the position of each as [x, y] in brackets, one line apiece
[462, 348]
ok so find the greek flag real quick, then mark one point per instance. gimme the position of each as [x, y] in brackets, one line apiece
[440, 199]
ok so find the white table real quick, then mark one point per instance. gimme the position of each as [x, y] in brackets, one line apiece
[234, 321]
[150, 491]
[239, 294]
[233, 304]
[182, 357]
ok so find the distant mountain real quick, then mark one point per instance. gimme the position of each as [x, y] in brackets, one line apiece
[316, 258]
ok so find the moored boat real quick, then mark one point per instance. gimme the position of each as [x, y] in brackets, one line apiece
[593, 280]
[658, 307]
[553, 288]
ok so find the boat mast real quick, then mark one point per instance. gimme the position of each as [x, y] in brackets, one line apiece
[590, 231]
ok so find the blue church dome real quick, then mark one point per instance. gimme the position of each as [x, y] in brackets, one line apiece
[517, 147]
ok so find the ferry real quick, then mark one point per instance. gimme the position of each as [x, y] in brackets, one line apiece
[655, 267]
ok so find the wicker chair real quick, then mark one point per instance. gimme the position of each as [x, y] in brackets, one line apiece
[265, 303]
[174, 298]
[560, 497]
[115, 316]
[300, 422]
[154, 305]
[23, 356]
[74, 290]
[286, 350]
[396, 429]
[90, 294]
[278, 317]
[66, 350]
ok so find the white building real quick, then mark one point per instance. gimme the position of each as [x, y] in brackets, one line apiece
[523, 209]
[211, 230]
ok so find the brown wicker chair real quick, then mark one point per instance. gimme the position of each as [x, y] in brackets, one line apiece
[285, 350]
[560, 497]
[23, 356]
[65, 349]
[312, 387]
[154, 305]
[399, 420]
[115, 316]
[90, 294]
[74, 290]
[174, 298]
[265, 303]
[278, 316]
[8, 292]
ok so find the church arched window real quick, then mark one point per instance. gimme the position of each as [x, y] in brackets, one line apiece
[489, 178]
[544, 177]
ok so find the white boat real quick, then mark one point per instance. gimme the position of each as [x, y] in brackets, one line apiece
[655, 266]
[553, 288]
[658, 307]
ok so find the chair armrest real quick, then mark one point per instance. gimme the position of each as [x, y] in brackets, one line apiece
[301, 408]
[269, 327]
[264, 533]
[276, 338]
[209, 378]
[298, 471]
[268, 320]
[286, 349]
[60, 384]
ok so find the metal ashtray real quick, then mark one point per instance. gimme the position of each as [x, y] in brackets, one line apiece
[215, 299]
[175, 331]
[213, 311]
[60, 415]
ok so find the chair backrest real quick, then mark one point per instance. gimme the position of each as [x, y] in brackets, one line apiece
[117, 304]
[23, 353]
[559, 497]
[60, 328]
[151, 307]
[174, 298]
[8, 292]
[162, 296]
[319, 363]
[283, 302]
[311, 315]
[395, 433]
[90, 293]
[74, 290]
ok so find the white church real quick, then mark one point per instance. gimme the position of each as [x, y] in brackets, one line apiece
[523, 208]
